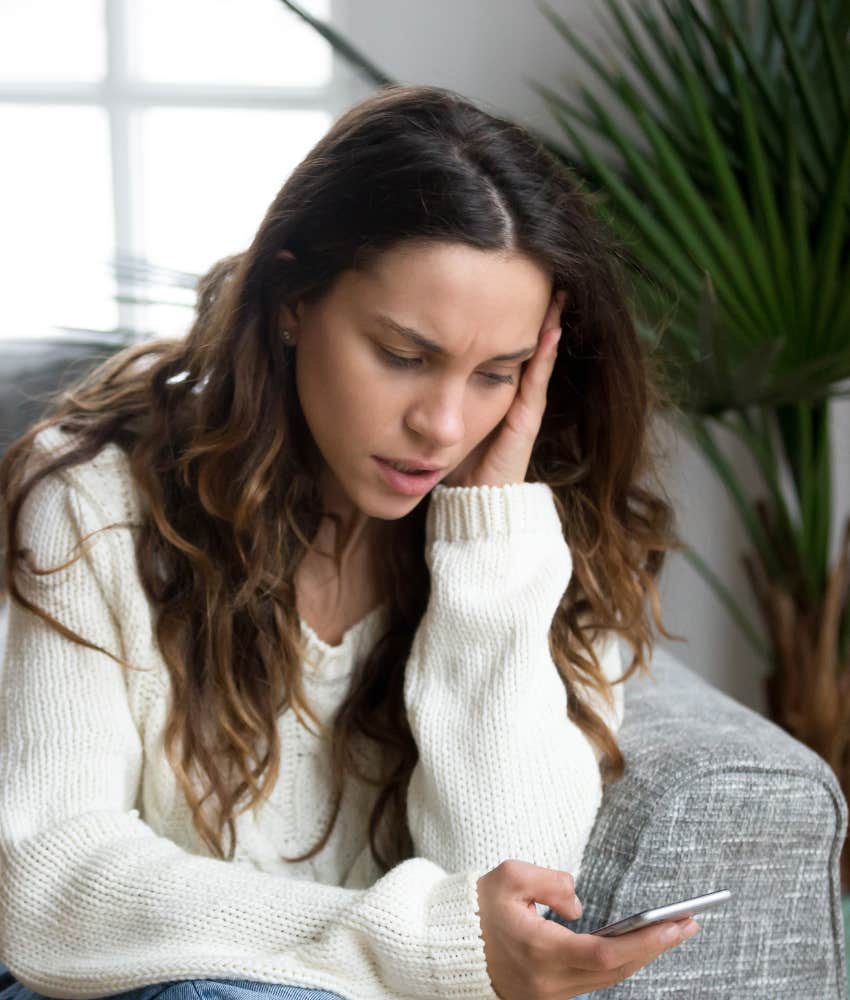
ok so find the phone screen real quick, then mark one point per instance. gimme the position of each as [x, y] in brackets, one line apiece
[672, 911]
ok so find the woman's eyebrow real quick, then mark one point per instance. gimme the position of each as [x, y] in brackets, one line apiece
[429, 345]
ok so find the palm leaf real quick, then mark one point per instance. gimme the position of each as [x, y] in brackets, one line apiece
[341, 45]
[645, 65]
[648, 226]
[615, 83]
[765, 86]
[734, 200]
[829, 246]
[840, 90]
[801, 261]
[752, 256]
[805, 89]
[762, 191]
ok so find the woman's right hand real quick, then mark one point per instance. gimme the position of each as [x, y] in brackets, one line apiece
[530, 958]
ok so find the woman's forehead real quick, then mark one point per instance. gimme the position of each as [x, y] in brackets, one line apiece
[450, 287]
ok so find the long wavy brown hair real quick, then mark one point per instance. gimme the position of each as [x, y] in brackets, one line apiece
[228, 472]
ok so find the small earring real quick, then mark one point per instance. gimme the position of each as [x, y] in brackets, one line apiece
[287, 336]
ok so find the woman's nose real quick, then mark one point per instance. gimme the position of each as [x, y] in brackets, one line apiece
[437, 416]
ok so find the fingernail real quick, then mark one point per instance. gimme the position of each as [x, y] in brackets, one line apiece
[690, 930]
[670, 934]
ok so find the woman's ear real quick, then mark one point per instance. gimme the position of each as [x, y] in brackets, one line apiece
[289, 322]
[289, 318]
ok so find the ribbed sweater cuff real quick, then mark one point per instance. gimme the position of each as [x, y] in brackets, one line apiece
[467, 512]
[458, 965]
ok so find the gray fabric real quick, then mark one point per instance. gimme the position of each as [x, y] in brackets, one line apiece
[717, 797]
[34, 369]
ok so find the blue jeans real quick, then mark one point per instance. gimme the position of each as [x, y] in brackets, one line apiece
[186, 989]
[192, 989]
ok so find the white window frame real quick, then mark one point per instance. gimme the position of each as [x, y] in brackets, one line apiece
[121, 97]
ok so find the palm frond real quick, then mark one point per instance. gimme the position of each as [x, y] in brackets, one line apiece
[733, 202]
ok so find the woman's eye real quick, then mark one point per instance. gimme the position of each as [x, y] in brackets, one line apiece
[398, 360]
[401, 362]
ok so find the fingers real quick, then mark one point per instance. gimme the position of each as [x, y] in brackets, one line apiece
[536, 376]
[594, 953]
[550, 330]
[553, 314]
[623, 972]
[600, 962]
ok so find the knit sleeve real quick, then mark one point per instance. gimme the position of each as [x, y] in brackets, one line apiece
[94, 902]
[502, 772]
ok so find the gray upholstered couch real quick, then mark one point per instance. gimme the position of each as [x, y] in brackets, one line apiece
[34, 367]
[717, 797]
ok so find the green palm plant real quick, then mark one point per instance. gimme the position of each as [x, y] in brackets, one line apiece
[733, 130]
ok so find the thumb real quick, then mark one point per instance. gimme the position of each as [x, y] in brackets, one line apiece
[555, 889]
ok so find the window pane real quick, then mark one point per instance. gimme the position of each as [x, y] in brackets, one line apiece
[208, 176]
[52, 40]
[228, 41]
[57, 237]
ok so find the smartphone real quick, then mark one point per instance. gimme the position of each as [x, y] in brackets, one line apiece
[672, 911]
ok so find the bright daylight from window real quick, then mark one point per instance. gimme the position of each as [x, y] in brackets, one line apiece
[144, 130]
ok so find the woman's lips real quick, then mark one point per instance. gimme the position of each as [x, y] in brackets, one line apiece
[409, 484]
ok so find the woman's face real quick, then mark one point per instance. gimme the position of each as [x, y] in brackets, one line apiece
[369, 392]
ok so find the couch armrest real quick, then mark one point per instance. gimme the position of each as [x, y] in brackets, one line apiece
[715, 796]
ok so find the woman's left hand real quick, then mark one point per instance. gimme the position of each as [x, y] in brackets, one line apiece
[503, 456]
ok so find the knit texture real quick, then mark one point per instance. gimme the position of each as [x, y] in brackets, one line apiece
[104, 883]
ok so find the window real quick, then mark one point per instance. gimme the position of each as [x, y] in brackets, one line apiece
[146, 130]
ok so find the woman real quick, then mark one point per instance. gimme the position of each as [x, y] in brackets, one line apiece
[311, 680]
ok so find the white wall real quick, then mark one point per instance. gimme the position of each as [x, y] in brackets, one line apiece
[485, 49]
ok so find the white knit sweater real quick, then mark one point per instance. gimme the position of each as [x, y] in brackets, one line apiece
[104, 884]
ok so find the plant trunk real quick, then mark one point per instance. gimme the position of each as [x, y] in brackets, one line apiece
[808, 693]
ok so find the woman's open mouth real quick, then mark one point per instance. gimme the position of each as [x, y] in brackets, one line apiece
[411, 483]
